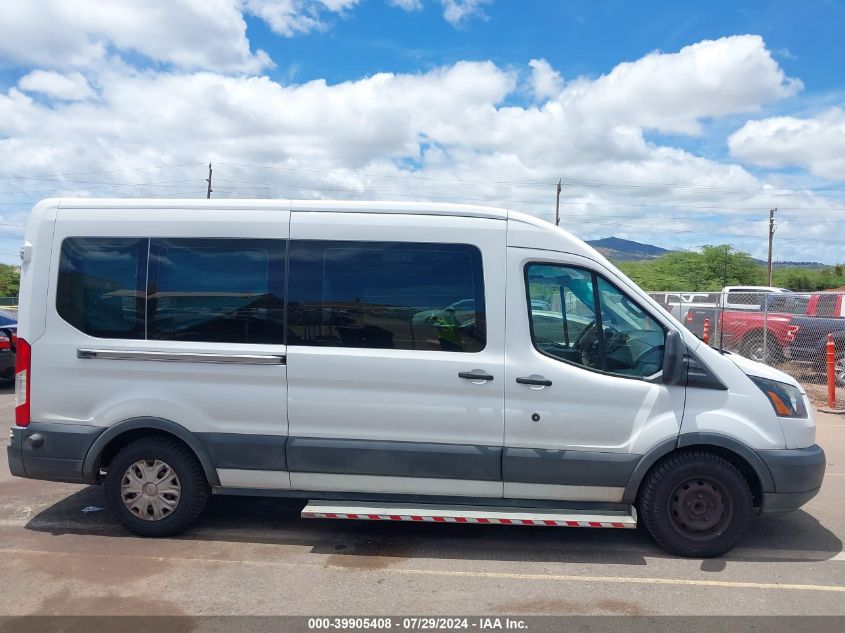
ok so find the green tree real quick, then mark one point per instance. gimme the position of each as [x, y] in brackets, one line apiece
[710, 269]
[10, 281]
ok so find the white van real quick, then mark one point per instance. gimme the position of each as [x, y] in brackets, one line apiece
[393, 361]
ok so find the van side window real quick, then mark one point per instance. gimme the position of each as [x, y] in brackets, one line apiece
[386, 295]
[100, 287]
[218, 290]
[581, 318]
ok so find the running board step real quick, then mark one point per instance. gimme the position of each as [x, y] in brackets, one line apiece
[494, 515]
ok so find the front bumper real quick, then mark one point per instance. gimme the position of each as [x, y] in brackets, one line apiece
[797, 474]
[54, 452]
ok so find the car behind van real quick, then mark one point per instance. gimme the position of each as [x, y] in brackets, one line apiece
[385, 361]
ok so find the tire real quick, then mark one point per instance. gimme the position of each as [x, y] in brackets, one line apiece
[839, 369]
[752, 347]
[179, 494]
[674, 504]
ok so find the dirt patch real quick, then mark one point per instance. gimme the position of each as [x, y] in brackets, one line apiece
[65, 602]
[568, 607]
[818, 395]
[99, 570]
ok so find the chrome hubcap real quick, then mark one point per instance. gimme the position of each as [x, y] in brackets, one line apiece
[150, 489]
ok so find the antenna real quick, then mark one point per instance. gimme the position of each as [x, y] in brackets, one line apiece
[208, 180]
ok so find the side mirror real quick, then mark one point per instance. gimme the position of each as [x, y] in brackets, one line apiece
[673, 358]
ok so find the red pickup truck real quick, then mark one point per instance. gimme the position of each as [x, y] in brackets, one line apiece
[760, 336]
[764, 334]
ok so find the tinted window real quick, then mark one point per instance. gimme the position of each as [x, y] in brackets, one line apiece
[216, 290]
[778, 303]
[8, 318]
[100, 287]
[388, 295]
[826, 305]
[745, 297]
[559, 329]
[633, 340]
[591, 323]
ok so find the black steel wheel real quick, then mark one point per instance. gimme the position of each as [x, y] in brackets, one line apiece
[696, 504]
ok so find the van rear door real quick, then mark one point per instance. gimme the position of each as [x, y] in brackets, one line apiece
[175, 315]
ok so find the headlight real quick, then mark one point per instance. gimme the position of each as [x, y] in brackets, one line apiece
[786, 400]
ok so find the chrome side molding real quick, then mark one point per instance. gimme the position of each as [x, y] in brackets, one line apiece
[182, 357]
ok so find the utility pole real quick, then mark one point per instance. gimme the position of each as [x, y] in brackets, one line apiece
[208, 180]
[771, 237]
[557, 204]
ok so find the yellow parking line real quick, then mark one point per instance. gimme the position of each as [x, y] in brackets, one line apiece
[730, 584]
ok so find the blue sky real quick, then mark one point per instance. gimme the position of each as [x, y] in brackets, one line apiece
[673, 123]
[581, 37]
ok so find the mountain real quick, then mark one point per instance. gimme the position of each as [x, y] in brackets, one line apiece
[617, 249]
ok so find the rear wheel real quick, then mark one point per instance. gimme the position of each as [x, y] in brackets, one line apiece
[839, 369]
[156, 487]
[696, 504]
[761, 350]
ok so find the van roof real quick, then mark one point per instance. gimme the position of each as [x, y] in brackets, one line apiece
[350, 206]
[524, 230]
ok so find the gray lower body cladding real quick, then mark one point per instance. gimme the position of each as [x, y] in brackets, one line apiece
[51, 451]
[57, 452]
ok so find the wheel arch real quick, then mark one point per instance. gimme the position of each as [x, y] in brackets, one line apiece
[742, 457]
[120, 434]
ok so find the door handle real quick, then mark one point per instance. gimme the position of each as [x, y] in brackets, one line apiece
[475, 374]
[538, 382]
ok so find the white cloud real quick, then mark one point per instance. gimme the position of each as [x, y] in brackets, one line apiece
[817, 143]
[545, 80]
[296, 17]
[407, 5]
[445, 134]
[672, 92]
[456, 12]
[186, 33]
[69, 87]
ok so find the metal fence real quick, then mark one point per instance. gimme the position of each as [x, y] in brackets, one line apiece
[788, 330]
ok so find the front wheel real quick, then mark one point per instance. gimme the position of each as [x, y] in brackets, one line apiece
[156, 487]
[696, 504]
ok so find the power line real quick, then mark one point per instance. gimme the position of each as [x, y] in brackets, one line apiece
[105, 171]
[543, 181]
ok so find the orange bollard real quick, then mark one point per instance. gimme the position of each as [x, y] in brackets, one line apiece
[830, 356]
[705, 336]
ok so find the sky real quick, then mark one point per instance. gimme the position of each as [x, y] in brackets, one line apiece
[673, 123]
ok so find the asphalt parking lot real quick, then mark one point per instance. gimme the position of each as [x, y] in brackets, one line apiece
[60, 553]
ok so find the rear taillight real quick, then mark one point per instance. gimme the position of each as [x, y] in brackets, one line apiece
[23, 375]
[5, 343]
[791, 331]
[690, 317]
